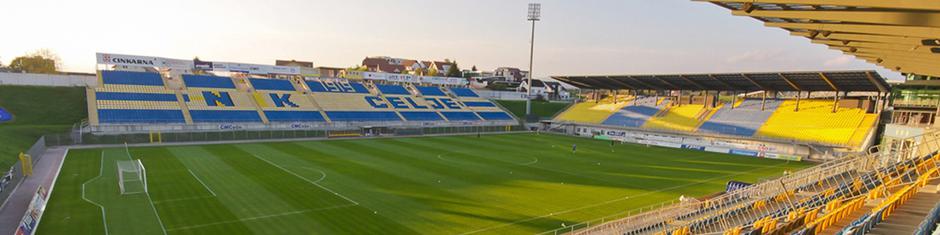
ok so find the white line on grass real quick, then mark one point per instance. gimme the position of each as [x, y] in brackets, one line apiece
[617, 200]
[104, 217]
[200, 181]
[322, 174]
[147, 192]
[261, 217]
[305, 179]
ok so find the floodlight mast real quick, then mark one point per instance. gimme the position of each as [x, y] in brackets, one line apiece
[535, 14]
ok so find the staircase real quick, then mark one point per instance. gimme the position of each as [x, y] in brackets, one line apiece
[906, 218]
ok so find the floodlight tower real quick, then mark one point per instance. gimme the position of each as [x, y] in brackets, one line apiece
[535, 14]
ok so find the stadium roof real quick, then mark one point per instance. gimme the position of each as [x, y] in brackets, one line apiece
[790, 81]
[902, 35]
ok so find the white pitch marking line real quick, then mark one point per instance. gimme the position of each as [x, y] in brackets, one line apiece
[104, 216]
[147, 192]
[305, 179]
[615, 200]
[200, 181]
[260, 217]
[322, 174]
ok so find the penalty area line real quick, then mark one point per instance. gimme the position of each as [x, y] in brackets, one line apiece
[305, 179]
[201, 182]
[104, 216]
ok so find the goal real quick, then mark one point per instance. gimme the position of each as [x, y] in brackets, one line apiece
[132, 177]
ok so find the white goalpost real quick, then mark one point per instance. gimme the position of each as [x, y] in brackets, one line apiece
[132, 177]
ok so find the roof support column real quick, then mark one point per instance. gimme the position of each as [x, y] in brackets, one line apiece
[798, 94]
[835, 103]
[704, 99]
[734, 98]
[877, 104]
[763, 100]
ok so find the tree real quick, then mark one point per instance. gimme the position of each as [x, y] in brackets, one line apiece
[40, 61]
[432, 71]
[474, 69]
[453, 71]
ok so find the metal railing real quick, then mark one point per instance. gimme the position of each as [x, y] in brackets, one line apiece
[815, 181]
[14, 176]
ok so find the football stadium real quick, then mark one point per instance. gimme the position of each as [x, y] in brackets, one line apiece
[153, 144]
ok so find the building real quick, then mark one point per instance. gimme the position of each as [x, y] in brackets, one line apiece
[386, 64]
[548, 89]
[510, 73]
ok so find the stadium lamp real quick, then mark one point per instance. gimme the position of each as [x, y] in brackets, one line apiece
[535, 14]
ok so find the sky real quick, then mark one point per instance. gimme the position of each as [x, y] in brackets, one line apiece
[575, 37]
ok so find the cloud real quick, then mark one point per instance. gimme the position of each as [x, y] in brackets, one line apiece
[756, 56]
[838, 61]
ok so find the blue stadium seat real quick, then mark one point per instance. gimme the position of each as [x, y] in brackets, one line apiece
[495, 116]
[271, 84]
[129, 96]
[294, 116]
[460, 116]
[224, 116]
[362, 116]
[421, 116]
[392, 89]
[337, 87]
[430, 91]
[479, 104]
[463, 92]
[203, 81]
[113, 77]
[634, 115]
[114, 116]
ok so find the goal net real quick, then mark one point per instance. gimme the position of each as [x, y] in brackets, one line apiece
[132, 177]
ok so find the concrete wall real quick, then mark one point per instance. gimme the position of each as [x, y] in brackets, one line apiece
[29, 79]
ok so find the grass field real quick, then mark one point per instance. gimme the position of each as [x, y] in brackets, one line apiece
[542, 109]
[497, 184]
[37, 111]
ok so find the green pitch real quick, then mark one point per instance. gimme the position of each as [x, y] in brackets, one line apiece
[499, 184]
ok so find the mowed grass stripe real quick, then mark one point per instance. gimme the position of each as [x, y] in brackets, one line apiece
[373, 214]
[358, 177]
[345, 211]
[426, 185]
[236, 192]
[176, 192]
[67, 213]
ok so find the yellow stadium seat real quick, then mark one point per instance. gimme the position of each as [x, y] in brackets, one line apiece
[590, 112]
[681, 118]
[816, 122]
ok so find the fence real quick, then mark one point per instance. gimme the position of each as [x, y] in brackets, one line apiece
[829, 180]
[244, 135]
[14, 176]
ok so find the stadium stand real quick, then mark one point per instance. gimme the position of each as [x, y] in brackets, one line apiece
[816, 122]
[351, 102]
[463, 92]
[135, 97]
[212, 99]
[469, 101]
[682, 118]
[590, 112]
[636, 114]
[430, 91]
[743, 120]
